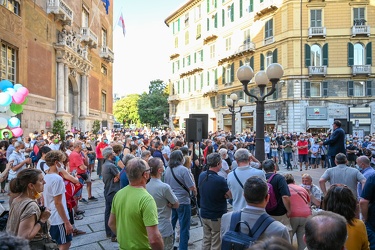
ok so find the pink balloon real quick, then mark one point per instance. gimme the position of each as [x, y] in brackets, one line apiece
[18, 98]
[17, 132]
[24, 91]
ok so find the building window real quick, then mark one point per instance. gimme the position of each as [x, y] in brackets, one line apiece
[269, 58]
[176, 42]
[359, 88]
[85, 17]
[315, 89]
[212, 51]
[103, 69]
[246, 36]
[11, 5]
[188, 62]
[315, 18]
[186, 37]
[359, 16]
[273, 96]
[359, 54]
[199, 31]
[268, 29]
[186, 19]
[213, 101]
[228, 43]
[104, 37]
[198, 12]
[104, 101]
[8, 63]
[316, 55]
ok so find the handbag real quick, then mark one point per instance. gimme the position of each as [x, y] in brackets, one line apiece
[44, 243]
[193, 201]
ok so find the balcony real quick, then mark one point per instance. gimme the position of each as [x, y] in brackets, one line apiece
[107, 54]
[268, 40]
[249, 46]
[361, 70]
[88, 36]
[265, 8]
[173, 99]
[210, 90]
[61, 10]
[360, 30]
[317, 70]
[317, 31]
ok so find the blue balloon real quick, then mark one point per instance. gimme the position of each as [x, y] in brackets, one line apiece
[17, 86]
[4, 84]
[14, 122]
[5, 99]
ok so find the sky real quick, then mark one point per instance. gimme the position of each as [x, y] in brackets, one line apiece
[143, 54]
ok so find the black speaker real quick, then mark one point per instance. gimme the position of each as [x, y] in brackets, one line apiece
[350, 128]
[204, 118]
[344, 125]
[193, 129]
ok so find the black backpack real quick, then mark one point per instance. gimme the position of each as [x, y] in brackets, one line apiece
[235, 240]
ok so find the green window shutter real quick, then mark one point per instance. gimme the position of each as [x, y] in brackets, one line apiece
[307, 89]
[183, 62]
[208, 78]
[261, 1]
[232, 72]
[208, 6]
[178, 24]
[252, 91]
[369, 54]
[216, 78]
[173, 68]
[240, 94]
[201, 80]
[208, 24]
[201, 55]
[195, 57]
[241, 8]
[350, 54]
[215, 21]
[307, 55]
[369, 88]
[195, 83]
[261, 62]
[183, 86]
[173, 27]
[232, 13]
[350, 88]
[251, 6]
[325, 54]
[325, 89]
[223, 17]
[215, 3]
[223, 78]
[252, 62]
[223, 100]
[189, 85]
[188, 60]
[178, 87]
[241, 63]
[274, 56]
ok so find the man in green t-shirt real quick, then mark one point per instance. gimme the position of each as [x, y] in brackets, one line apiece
[288, 149]
[134, 216]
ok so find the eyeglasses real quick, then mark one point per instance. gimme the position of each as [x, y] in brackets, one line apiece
[149, 169]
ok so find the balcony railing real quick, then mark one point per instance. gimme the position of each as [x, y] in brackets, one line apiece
[61, 10]
[361, 69]
[89, 36]
[317, 31]
[265, 4]
[317, 70]
[360, 30]
[107, 54]
[268, 40]
[247, 46]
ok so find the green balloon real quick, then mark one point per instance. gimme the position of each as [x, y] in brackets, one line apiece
[25, 101]
[2, 137]
[16, 108]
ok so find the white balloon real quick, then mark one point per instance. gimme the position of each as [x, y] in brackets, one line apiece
[3, 122]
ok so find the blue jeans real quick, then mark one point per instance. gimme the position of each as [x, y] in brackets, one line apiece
[108, 205]
[370, 235]
[100, 164]
[288, 156]
[183, 214]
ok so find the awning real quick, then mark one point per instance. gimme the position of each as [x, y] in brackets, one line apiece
[318, 124]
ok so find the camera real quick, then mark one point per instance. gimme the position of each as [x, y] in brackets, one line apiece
[42, 208]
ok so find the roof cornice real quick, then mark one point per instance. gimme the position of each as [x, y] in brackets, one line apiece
[188, 5]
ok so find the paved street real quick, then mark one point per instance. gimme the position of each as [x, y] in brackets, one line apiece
[93, 222]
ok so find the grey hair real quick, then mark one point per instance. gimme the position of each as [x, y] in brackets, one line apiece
[242, 155]
[135, 169]
[76, 144]
[127, 158]
[223, 151]
[107, 151]
[18, 144]
[145, 154]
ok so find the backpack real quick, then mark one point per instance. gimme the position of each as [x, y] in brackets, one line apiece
[34, 157]
[3, 220]
[272, 202]
[234, 239]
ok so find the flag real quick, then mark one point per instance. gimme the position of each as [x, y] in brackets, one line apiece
[106, 5]
[121, 23]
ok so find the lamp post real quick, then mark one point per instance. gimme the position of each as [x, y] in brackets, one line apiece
[231, 103]
[272, 74]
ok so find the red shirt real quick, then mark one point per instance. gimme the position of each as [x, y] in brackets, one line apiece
[303, 151]
[76, 160]
[98, 150]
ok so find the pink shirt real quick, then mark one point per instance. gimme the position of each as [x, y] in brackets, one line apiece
[298, 204]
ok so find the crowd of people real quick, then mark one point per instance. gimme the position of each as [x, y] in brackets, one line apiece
[155, 181]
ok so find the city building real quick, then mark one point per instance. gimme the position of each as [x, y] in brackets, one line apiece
[324, 46]
[61, 51]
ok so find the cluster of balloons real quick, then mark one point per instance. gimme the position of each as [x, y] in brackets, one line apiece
[12, 99]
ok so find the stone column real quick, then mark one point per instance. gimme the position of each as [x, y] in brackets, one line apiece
[60, 88]
[87, 96]
[83, 95]
[66, 89]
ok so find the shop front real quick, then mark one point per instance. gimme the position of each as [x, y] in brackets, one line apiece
[361, 120]
[317, 120]
[227, 122]
[247, 121]
[270, 120]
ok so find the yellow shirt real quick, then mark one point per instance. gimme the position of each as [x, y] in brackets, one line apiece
[357, 236]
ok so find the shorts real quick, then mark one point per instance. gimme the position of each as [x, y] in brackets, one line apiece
[91, 161]
[79, 193]
[315, 161]
[274, 153]
[302, 158]
[58, 233]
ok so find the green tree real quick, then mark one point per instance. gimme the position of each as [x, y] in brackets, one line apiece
[153, 107]
[96, 127]
[125, 110]
[58, 128]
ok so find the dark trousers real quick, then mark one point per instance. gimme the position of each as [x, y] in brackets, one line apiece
[332, 162]
[108, 205]
[100, 164]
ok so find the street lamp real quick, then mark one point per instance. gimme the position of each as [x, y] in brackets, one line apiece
[231, 103]
[273, 74]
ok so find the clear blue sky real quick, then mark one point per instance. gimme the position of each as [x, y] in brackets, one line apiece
[143, 55]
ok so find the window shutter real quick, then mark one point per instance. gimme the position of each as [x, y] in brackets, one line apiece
[325, 89]
[178, 24]
[325, 54]
[307, 89]
[183, 62]
[369, 88]
[201, 55]
[240, 94]
[350, 54]
[274, 56]
[183, 86]
[307, 55]
[252, 91]
[173, 68]
[270, 27]
[252, 62]
[232, 13]
[208, 24]
[215, 3]
[216, 78]
[251, 6]
[195, 57]
[275, 94]
[189, 84]
[223, 17]
[369, 54]
[261, 62]
[215, 21]
[208, 78]
[223, 78]
[232, 72]
[350, 88]
[241, 63]
[201, 80]
[195, 82]
[223, 100]
[208, 6]
[241, 8]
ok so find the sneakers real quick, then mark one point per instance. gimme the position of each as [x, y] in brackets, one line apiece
[93, 198]
[83, 200]
[80, 212]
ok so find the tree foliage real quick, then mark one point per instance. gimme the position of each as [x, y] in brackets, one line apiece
[125, 110]
[58, 127]
[96, 127]
[153, 107]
